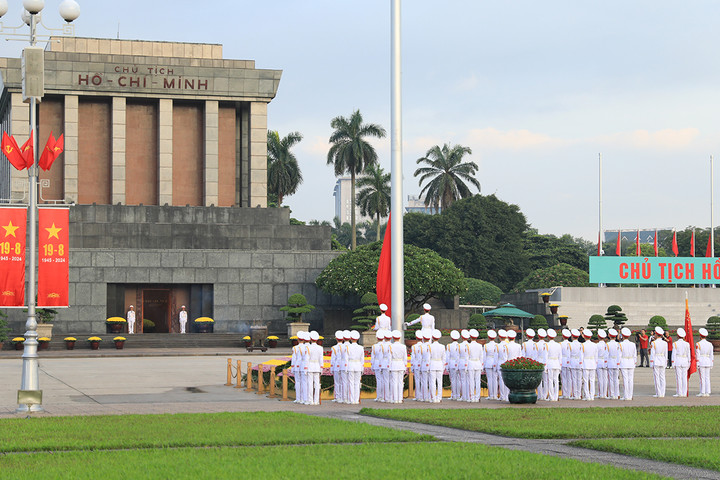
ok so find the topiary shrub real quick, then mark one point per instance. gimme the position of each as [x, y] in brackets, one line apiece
[479, 323]
[657, 321]
[148, 325]
[713, 328]
[480, 292]
[412, 328]
[297, 305]
[596, 322]
[614, 314]
[364, 317]
[538, 321]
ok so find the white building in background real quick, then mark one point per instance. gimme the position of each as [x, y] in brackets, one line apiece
[416, 204]
[344, 203]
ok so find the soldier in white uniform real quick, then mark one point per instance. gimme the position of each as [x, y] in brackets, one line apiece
[385, 359]
[464, 365]
[514, 348]
[398, 365]
[355, 365]
[295, 369]
[425, 353]
[383, 322]
[681, 362]
[541, 356]
[182, 318]
[529, 346]
[658, 360]
[335, 366]
[345, 387]
[452, 365]
[576, 365]
[437, 366]
[602, 371]
[589, 364]
[704, 356]
[553, 365]
[491, 353]
[315, 361]
[476, 360]
[131, 320]
[628, 359]
[502, 358]
[565, 376]
[415, 360]
[613, 365]
[304, 352]
[426, 320]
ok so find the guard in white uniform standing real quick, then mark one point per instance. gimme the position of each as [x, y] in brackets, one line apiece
[383, 322]
[426, 320]
[565, 376]
[658, 359]
[295, 369]
[315, 361]
[613, 365]
[131, 320]
[356, 363]
[602, 372]
[704, 356]
[463, 365]
[576, 365]
[681, 362]
[628, 359]
[452, 365]
[491, 353]
[344, 367]
[335, 366]
[589, 359]
[385, 359]
[304, 351]
[476, 361]
[398, 366]
[541, 356]
[529, 346]
[182, 318]
[425, 353]
[437, 366]
[553, 366]
[415, 359]
[503, 353]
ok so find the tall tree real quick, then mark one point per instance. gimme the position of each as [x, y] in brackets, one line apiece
[351, 153]
[374, 196]
[446, 175]
[283, 172]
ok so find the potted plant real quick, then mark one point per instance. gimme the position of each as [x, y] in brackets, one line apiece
[45, 317]
[115, 324]
[119, 342]
[554, 308]
[247, 341]
[204, 324]
[43, 343]
[294, 340]
[563, 320]
[272, 341]
[522, 376]
[148, 326]
[545, 297]
[296, 307]
[364, 318]
[70, 342]
[19, 343]
[94, 342]
[320, 340]
[713, 328]
[479, 323]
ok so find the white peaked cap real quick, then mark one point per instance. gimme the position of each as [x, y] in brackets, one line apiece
[502, 333]
[346, 334]
[612, 332]
[625, 332]
[602, 333]
[703, 332]
[530, 332]
[383, 307]
[388, 333]
[427, 306]
[566, 333]
[396, 334]
[314, 336]
[587, 333]
[492, 334]
[575, 332]
[355, 335]
[380, 335]
[338, 334]
[474, 333]
[465, 333]
[418, 334]
[659, 330]
[542, 333]
[511, 334]
[455, 335]
[681, 332]
[436, 334]
[551, 333]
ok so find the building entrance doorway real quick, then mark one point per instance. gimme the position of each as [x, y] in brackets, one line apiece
[156, 307]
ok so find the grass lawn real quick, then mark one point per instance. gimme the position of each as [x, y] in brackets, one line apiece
[696, 452]
[364, 461]
[700, 421]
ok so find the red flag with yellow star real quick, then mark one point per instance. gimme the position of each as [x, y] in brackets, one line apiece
[53, 257]
[13, 222]
[12, 151]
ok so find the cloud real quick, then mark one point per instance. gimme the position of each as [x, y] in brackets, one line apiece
[643, 139]
[468, 83]
[512, 139]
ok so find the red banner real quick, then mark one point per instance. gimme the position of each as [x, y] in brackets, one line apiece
[13, 224]
[53, 264]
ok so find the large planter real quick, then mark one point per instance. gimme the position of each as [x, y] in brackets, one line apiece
[19, 345]
[43, 345]
[204, 327]
[295, 327]
[45, 330]
[94, 345]
[116, 327]
[119, 344]
[69, 344]
[272, 343]
[522, 384]
[368, 338]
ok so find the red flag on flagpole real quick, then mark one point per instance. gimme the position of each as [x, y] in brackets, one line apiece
[674, 244]
[708, 249]
[692, 244]
[655, 244]
[53, 148]
[599, 246]
[27, 151]
[618, 245]
[12, 151]
[637, 244]
[384, 272]
[689, 339]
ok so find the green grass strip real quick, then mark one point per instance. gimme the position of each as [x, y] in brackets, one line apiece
[524, 422]
[422, 461]
[210, 429]
[695, 452]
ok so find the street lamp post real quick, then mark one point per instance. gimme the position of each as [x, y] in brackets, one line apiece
[33, 89]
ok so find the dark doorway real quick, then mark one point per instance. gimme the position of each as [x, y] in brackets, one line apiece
[156, 307]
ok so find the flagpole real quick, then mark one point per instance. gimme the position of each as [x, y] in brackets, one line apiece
[600, 230]
[712, 205]
[397, 263]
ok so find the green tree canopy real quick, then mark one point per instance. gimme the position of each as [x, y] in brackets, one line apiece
[547, 250]
[446, 175]
[558, 275]
[480, 292]
[283, 172]
[427, 274]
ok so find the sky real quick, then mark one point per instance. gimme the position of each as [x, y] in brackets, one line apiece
[537, 90]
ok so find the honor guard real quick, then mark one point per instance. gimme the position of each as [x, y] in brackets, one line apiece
[463, 365]
[541, 356]
[415, 360]
[491, 353]
[131, 319]
[502, 358]
[385, 359]
[589, 364]
[553, 366]
[529, 346]
[383, 322]
[575, 365]
[182, 318]
[315, 361]
[613, 364]
[425, 353]
[344, 367]
[628, 359]
[437, 366]
[565, 375]
[426, 320]
[355, 365]
[681, 363]
[452, 365]
[602, 369]
[704, 355]
[658, 359]
[476, 360]
[398, 365]
[335, 366]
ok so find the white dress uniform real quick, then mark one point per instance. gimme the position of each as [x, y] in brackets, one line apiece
[295, 369]
[383, 322]
[315, 361]
[628, 359]
[344, 387]
[704, 356]
[575, 368]
[503, 356]
[398, 366]
[613, 364]
[182, 318]
[335, 367]
[437, 366]
[463, 365]
[658, 359]
[415, 360]
[452, 365]
[385, 359]
[565, 372]
[542, 356]
[553, 367]
[491, 352]
[131, 320]
[589, 364]
[355, 365]
[602, 367]
[427, 321]
[681, 363]
[529, 347]
[476, 361]
[425, 352]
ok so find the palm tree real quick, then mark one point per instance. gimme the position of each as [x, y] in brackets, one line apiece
[351, 153]
[447, 175]
[374, 195]
[283, 172]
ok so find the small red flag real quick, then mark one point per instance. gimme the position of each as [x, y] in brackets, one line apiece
[599, 246]
[692, 244]
[27, 151]
[12, 151]
[709, 249]
[53, 148]
[674, 244]
[655, 245]
[384, 273]
[637, 244]
[618, 245]
[689, 339]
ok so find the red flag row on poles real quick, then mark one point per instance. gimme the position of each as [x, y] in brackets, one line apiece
[675, 249]
[23, 157]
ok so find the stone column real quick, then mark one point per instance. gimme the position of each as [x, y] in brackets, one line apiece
[243, 175]
[118, 150]
[71, 148]
[212, 189]
[166, 151]
[258, 154]
[20, 129]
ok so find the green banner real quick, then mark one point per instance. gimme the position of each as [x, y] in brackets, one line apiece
[667, 270]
